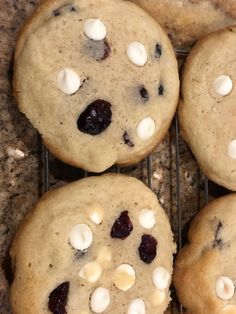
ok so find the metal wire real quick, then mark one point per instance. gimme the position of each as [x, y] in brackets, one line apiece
[149, 171]
[45, 169]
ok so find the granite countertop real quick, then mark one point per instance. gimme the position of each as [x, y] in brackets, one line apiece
[21, 165]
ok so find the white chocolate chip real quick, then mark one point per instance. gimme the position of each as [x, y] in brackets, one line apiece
[223, 85]
[146, 128]
[91, 272]
[96, 213]
[137, 306]
[232, 149]
[224, 288]
[95, 29]
[124, 277]
[15, 153]
[160, 278]
[104, 256]
[100, 299]
[147, 218]
[137, 53]
[158, 297]
[68, 81]
[81, 237]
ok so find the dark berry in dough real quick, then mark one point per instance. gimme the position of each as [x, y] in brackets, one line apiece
[58, 299]
[95, 118]
[97, 49]
[158, 51]
[144, 93]
[160, 89]
[122, 227]
[127, 140]
[148, 248]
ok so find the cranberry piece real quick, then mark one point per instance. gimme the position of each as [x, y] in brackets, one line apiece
[95, 118]
[160, 89]
[148, 248]
[158, 51]
[122, 227]
[56, 12]
[97, 49]
[127, 140]
[218, 241]
[144, 93]
[106, 51]
[72, 9]
[58, 299]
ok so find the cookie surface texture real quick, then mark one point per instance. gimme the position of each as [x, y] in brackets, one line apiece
[98, 79]
[207, 109]
[99, 245]
[186, 21]
[205, 275]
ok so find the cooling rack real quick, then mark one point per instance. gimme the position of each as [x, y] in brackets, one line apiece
[175, 307]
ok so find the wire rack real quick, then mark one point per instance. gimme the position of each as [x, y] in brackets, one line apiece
[175, 127]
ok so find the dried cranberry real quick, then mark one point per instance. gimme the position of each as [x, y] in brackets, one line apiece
[158, 51]
[97, 49]
[106, 51]
[148, 248]
[56, 12]
[58, 299]
[160, 89]
[218, 240]
[95, 118]
[72, 9]
[122, 226]
[127, 140]
[144, 93]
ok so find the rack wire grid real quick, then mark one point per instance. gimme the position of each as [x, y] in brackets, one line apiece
[175, 126]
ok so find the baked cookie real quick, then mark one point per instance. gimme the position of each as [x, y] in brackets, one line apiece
[186, 21]
[98, 79]
[101, 244]
[207, 109]
[205, 274]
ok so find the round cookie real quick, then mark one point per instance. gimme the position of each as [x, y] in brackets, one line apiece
[186, 21]
[204, 274]
[207, 108]
[98, 79]
[97, 245]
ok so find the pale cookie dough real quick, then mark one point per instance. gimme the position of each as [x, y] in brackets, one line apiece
[207, 108]
[66, 263]
[186, 21]
[205, 273]
[98, 79]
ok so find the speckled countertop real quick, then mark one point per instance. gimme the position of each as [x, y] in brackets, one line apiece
[21, 165]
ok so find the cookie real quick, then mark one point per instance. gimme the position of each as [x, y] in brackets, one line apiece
[99, 245]
[207, 109]
[98, 79]
[186, 21]
[205, 274]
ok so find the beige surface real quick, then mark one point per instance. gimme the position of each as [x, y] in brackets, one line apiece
[207, 120]
[185, 21]
[199, 264]
[43, 240]
[115, 79]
